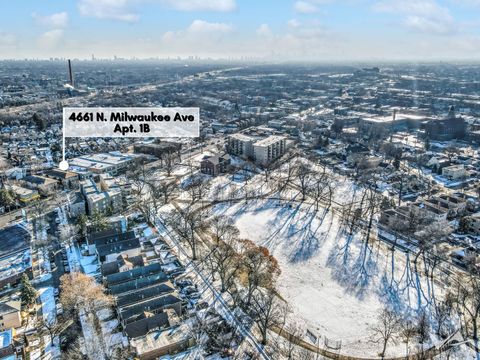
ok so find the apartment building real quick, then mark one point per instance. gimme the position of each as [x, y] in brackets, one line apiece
[241, 145]
[102, 196]
[262, 151]
[267, 150]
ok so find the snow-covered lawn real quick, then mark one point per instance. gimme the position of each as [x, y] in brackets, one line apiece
[335, 287]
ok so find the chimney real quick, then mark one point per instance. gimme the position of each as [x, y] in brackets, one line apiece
[70, 73]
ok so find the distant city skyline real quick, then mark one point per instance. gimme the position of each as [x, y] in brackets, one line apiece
[310, 30]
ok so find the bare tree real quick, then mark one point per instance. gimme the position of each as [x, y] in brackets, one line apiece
[423, 330]
[223, 229]
[167, 189]
[82, 295]
[52, 327]
[139, 178]
[187, 223]
[224, 260]
[285, 175]
[321, 189]
[266, 310]
[468, 303]
[197, 188]
[290, 348]
[442, 314]
[304, 173]
[408, 331]
[159, 194]
[168, 161]
[428, 237]
[82, 292]
[73, 353]
[385, 330]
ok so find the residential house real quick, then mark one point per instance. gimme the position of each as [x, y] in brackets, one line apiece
[455, 172]
[10, 316]
[215, 165]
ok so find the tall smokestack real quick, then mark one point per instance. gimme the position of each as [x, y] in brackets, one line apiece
[70, 73]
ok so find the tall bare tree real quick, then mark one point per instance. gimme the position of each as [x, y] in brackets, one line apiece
[197, 187]
[408, 332]
[303, 173]
[188, 223]
[386, 329]
[468, 304]
[267, 310]
[224, 260]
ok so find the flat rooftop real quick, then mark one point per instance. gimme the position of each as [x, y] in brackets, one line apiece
[269, 140]
[242, 137]
[100, 161]
[13, 239]
[398, 117]
[15, 263]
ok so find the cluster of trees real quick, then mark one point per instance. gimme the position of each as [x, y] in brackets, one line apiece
[391, 328]
[151, 193]
[97, 221]
[316, 185]
[246, 271]
[8, 198]
[461, 303]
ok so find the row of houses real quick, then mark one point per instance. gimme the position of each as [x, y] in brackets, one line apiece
[439, 207]
[139, 272]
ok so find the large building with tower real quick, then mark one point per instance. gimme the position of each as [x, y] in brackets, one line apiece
[449, 128]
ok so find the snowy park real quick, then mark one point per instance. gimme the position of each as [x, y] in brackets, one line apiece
[335, 283]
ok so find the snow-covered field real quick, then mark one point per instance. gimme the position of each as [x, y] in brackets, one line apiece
[336, 288]
[335, 284]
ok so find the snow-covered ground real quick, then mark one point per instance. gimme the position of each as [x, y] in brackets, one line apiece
[335, 287]
[48, 304]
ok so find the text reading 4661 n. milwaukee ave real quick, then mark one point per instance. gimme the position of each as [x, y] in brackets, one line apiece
[131, 122]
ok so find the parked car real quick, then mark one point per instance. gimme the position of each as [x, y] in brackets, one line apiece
[184, 282]
[59, 309]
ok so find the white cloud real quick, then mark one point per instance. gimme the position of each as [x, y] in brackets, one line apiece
[304, 7]
[421, 15]
[57, 20]
[198, 26]
[466, 2]
[424, 24]
[108, 9]
[125, 10]
[51, 39]
[200, 38]
[310, 6]
[264, 30]
[293, 23]
[209, 5]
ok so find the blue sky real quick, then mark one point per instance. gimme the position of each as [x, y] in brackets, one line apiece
[321, 30]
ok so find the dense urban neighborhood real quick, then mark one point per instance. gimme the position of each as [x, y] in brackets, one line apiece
[324, 212]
